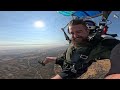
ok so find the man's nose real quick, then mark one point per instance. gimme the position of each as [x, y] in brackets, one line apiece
[75, 35]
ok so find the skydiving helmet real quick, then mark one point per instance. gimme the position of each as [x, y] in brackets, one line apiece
[91, 25]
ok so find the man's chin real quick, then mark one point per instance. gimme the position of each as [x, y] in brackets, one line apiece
[76, 43]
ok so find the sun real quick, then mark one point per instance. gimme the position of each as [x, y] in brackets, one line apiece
[39, 24]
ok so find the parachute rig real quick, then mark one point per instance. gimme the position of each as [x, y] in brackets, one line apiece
[96, 32]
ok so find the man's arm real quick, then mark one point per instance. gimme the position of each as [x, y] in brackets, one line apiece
[58, 60]
[114, 72]
[49, 59]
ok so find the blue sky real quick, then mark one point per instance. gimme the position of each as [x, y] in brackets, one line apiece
[17, 27]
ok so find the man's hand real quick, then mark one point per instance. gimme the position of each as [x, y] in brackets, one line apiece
[49, 59]
[57, 77]
[113, 76]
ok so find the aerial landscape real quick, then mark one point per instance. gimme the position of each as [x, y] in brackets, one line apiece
[24, 64]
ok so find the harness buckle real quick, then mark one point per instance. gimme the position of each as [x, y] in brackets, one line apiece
[83, 56]
[73, 69]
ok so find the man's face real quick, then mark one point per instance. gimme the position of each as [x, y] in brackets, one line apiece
[79, 33]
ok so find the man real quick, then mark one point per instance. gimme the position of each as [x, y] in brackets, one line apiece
[81, 52]
[114, 72]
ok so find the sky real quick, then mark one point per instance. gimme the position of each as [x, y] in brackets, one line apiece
[35, 28]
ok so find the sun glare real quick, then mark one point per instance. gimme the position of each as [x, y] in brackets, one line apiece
[39, 24]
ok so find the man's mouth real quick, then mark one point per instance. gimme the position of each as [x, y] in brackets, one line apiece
[78, 38]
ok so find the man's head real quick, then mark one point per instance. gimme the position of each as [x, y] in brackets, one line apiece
[78, 31]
